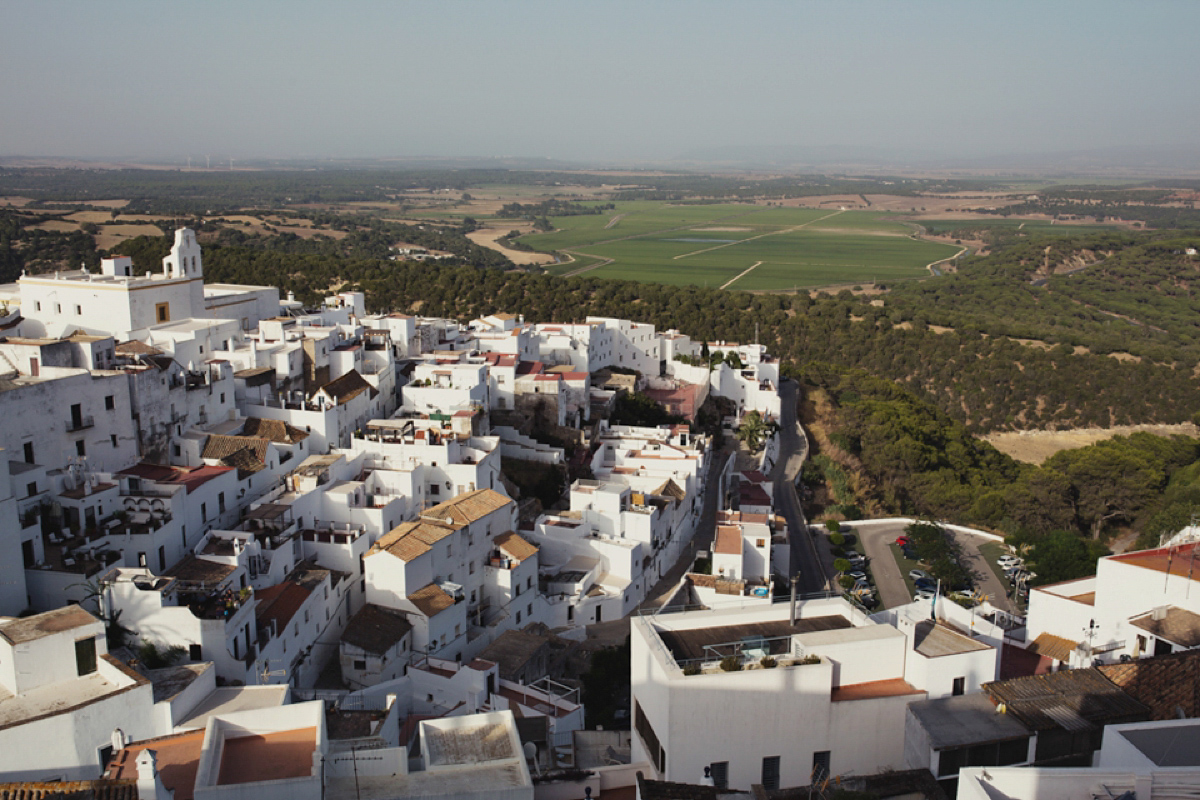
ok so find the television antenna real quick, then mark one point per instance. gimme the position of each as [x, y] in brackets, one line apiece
[268, 673]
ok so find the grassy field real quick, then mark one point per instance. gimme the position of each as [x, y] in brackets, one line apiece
[1030, 226]
[743, 246]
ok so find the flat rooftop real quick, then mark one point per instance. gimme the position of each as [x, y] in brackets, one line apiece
[689, 645]
[268, 757]
[1168, 746]
[228, 699]
[178, 759]
[965, 720]
[468, 745]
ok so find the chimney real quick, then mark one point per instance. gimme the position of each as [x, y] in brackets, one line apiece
[149, 783]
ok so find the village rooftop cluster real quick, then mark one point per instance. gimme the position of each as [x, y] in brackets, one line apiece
[216, 498]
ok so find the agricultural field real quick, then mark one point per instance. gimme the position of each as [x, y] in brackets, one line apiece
[740, 246]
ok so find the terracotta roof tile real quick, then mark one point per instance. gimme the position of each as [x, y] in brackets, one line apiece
[376, 629]
[347, 387]
[431, 600]
[274, 430]
[70, 790]
[1165, 684]
[514, 546]
[1051, 646]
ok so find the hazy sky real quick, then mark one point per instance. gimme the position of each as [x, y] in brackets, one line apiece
[617, 80]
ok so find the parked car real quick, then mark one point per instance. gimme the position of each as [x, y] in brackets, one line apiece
[1008, 560]
[910, 553]
[859, 576]
[919, 575]
[927, 585]
[903, 541]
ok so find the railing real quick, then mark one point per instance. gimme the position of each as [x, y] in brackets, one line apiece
[80, 423]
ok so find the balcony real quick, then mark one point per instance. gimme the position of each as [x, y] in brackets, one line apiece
[79, 423]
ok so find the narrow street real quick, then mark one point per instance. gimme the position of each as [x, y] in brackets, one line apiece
[793, 449]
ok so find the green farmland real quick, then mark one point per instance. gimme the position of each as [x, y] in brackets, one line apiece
[740, 246]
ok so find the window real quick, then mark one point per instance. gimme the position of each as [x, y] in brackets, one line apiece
[195, 652]
[529, 610]
[222, 397]
[518, 617]
[85, 656]
[162, 559]
[820, 767]
[719, 771]
[112, 437]
[529, 582]
[37, 305]
[221, 502]
[29, 452]
[360, 664]
[433, 489]
[80, 448]
[104, 754]
[959, 686]
[204, 512]
[31, 489]
[770, 772]
[109, 402]
[162, 312]
[79, 311]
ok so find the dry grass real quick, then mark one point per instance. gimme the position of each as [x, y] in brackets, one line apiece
[112, 235]
[1034, 447]
[489, 237]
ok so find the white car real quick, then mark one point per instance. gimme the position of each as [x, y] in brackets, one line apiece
[1008, 560]
[922, 595]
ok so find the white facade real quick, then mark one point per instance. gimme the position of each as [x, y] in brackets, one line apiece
[62, 696]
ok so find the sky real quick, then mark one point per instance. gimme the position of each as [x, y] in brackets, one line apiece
[595, 82]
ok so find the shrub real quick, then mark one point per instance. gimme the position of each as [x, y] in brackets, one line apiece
[731, 664]
[845, 581]
[833, 526]
[837, 539]
[841, 565]
[691, 669]
[768, 663]
[810, 660]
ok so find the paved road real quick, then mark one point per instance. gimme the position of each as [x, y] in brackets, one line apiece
[892, 589]
[793, 449]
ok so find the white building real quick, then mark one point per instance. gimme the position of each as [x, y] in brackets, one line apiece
[1138, 604]
[62, 697]
[760, 698]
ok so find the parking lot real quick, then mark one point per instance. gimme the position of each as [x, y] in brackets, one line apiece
[889, 579]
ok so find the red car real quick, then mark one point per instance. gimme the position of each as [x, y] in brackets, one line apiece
[902, 541]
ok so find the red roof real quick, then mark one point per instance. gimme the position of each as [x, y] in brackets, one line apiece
[191, 477]
[530, 367]
[279, 603]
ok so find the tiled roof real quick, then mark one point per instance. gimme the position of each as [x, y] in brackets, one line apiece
[514, 546]
[279, 603]
[197, 570]
[729, 540]
[468, 507]
[244, 461]
[70, 790]
[670, 489]
[409, 540]
[431, 600]
[376, 629]
[1177, 625]
[191, 477]
[136, 348]
[1165, 684]
[178, 760]
[1178, 560]
[274, 430]
[1075, 699]
[1051, 646]
[347, 387]
[219, 446]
